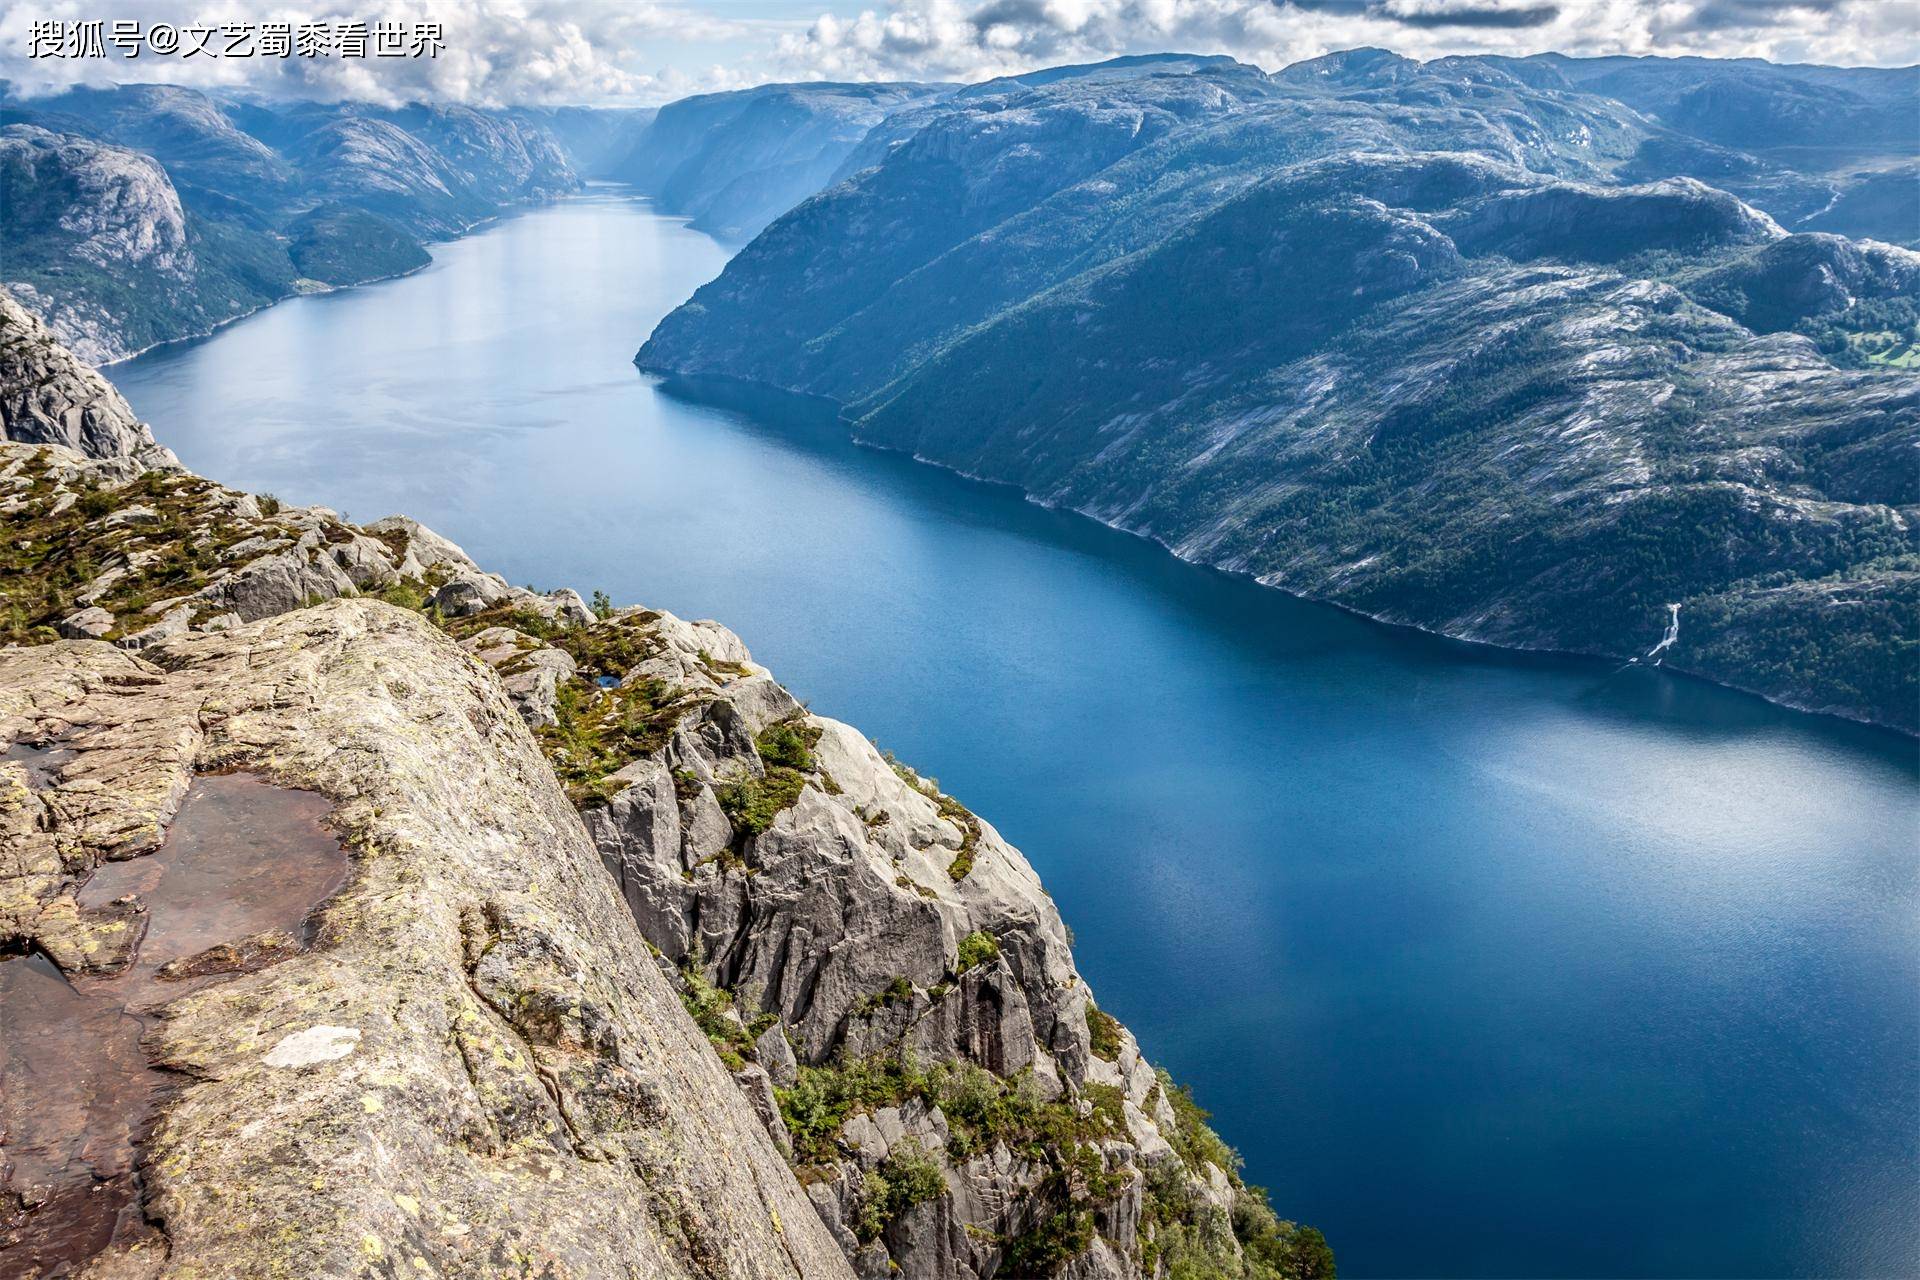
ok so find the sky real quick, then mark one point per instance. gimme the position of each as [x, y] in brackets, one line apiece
[501, 52]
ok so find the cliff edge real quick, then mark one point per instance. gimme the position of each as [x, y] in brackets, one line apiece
[637, 966]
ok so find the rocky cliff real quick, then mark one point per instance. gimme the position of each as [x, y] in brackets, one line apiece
[474, 1070]
[881, 1056]
[733, 162]
[47, 396]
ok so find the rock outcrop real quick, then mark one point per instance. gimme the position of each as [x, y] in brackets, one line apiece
[889, 962]
[476, 1069]
[47, 396]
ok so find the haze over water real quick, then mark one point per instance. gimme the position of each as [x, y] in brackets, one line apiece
[1490, 965]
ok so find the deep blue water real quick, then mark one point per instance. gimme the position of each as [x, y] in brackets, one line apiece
[1491, 965]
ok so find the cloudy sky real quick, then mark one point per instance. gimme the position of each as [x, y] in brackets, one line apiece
[642, 51]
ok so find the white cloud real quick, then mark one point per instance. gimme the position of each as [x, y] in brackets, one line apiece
[496, 51]
[527, 51]
[971, 39]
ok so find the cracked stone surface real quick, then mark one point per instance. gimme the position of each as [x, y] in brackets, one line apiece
[477, 1069]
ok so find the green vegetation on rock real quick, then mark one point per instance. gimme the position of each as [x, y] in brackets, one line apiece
[601, 731]
[976, 949]
[907, 1177]
[1103, 1033]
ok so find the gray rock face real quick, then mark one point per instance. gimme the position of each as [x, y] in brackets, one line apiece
[849, 924]
[477, 1060]
[86, 624]
[123, 209]
[98, 241]
[48, 396]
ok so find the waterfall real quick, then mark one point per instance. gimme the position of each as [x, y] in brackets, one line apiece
[1666, 641]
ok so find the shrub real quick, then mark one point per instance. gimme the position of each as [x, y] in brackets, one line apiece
[1196, 1143]
[908, 1176]
[1103, 1033]
[899, 991]
[976, 949]
[406, 593]
[822, 1099]
[601, 731]
[1056, 1241]
[709, 1007]
[753, 804]
[789, 744]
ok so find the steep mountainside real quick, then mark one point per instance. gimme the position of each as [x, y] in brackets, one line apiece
[733, 162]
[101, 247]
[1394, 335]
[138, 215]
[463, 1063]
[47, 396]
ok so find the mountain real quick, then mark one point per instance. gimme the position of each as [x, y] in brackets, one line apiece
[1432, 341]
[635, 967]
[733, 162]
[1821, 148]
[101, 245]
[142, 214]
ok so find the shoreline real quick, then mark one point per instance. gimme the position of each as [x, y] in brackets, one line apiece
[1788, 704]
[465, 231]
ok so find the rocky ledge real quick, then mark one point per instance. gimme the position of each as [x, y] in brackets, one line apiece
[881, 1054]
[477, 1069]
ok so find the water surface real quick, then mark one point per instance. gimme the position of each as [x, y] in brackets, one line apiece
[1490, 965]
[230, 887]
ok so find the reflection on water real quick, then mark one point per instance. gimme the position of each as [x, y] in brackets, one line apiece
[230, 888]
[41, 763]
[1491, 964]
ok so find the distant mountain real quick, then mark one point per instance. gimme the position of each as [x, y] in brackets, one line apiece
[595, 139]
[733, 162]
[138, 215]
[100, 244]
[1446, 343]
[1820, 148]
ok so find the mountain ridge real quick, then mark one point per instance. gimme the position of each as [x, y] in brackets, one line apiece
[1312, 334]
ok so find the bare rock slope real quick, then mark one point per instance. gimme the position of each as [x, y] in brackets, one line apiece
[47, 396]
[477, 1070]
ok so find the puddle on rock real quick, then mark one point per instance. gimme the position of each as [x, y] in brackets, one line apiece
[242, 859]
[42, 763]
